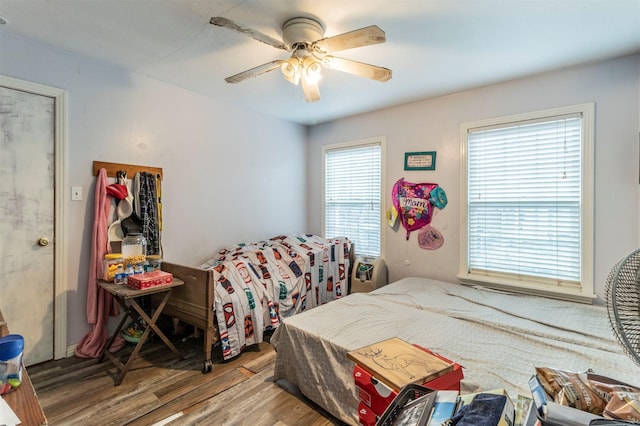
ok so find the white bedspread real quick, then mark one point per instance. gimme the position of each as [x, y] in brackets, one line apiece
[497, 337]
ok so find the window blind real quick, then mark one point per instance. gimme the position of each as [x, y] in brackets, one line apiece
[352, 196]
[524, 199]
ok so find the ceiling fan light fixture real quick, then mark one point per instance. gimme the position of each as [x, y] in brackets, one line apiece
[291, 70]
[296, 68]
[310, 52]
[312, 69]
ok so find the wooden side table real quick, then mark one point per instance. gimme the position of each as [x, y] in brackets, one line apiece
[126, 297]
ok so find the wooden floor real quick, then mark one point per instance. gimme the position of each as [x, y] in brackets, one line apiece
[159, 387]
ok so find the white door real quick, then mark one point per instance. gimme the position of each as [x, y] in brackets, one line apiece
[27, 212]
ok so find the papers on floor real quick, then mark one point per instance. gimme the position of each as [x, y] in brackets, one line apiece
[7, 416]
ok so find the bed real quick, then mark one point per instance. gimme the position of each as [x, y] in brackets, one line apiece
[497, 337]
[245, 290]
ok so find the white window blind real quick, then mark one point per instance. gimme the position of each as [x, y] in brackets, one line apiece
[352, 196]
[524, 199]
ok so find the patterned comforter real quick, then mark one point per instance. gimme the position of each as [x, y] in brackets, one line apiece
[258, 284]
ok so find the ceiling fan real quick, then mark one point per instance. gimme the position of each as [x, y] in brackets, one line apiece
[310, 52]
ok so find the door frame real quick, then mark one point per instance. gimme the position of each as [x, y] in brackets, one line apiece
[60, 196]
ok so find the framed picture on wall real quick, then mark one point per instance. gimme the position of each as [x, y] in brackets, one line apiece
[420, 160]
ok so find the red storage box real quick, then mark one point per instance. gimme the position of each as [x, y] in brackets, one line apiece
[366, 415]
[149, 279]
[371, 391]
[376, 395]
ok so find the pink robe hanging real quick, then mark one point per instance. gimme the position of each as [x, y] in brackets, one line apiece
[100, 304]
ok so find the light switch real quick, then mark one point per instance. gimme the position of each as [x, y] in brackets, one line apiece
[76, 193]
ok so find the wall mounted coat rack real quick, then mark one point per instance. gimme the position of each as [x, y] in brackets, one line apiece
[131, 169]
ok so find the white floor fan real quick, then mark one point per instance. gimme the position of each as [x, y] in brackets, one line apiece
[622, 293]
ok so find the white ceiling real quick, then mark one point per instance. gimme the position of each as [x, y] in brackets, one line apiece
[434, 47]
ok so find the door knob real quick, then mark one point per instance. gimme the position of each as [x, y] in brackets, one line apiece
[43, 241]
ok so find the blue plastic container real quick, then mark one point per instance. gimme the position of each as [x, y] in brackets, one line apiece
[11, 350]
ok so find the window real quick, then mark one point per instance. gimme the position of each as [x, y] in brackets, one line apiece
[353, 193]
[528, 197]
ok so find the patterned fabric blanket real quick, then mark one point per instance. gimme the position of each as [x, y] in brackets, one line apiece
[258, 284]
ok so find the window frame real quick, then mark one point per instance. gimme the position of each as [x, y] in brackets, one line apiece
[585, 292]
[380, 140]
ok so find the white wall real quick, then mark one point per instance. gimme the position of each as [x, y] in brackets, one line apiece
[434, 125]
[216, 157]
[230, 175]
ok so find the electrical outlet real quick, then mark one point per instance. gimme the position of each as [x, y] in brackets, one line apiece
[76, 193]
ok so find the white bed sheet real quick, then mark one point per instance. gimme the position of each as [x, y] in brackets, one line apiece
[497, 337]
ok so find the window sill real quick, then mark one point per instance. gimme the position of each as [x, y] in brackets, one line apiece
[562, 293]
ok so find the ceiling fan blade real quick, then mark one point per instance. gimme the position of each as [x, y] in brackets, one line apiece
[357, 68]
[356, 38]
[254, 72]
[255, 34]
[311, 90]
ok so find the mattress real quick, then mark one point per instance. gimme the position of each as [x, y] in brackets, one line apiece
[499, 338]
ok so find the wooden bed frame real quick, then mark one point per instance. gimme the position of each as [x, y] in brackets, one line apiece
[192, 303]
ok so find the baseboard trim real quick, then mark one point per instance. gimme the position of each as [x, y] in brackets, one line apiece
[71, 351]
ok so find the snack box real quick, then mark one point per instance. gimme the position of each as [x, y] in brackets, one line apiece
[377, 395]
[149, 279]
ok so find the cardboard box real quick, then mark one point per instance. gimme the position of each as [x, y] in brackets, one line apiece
[398, 363]
[377, 395]
[372, 392]
[149, 279]
[449, 381]
[366, 415]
